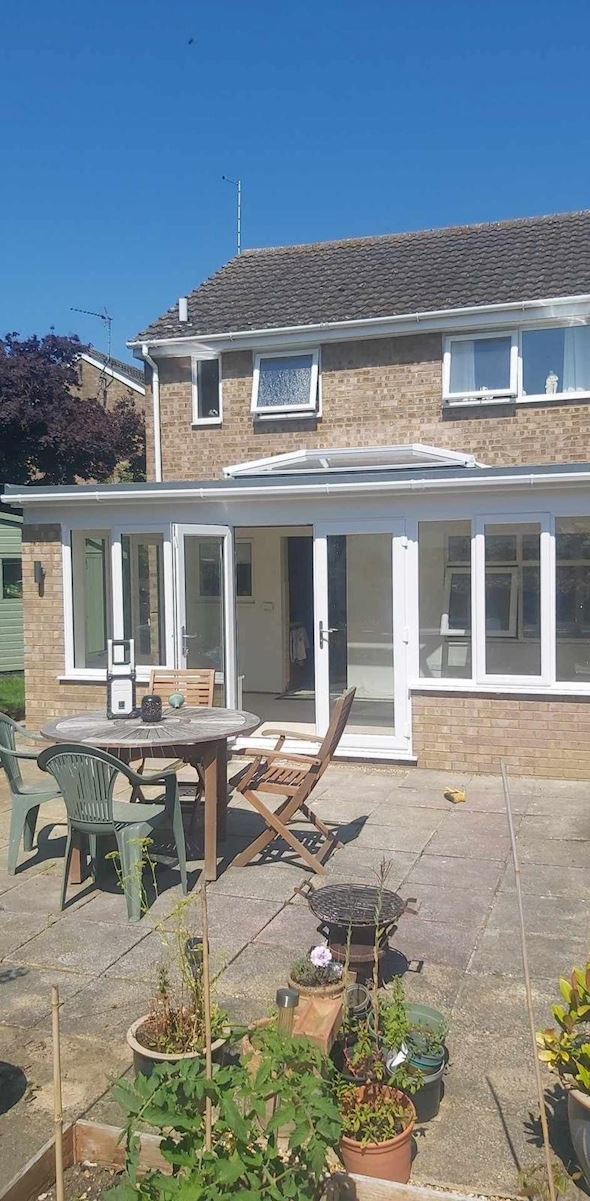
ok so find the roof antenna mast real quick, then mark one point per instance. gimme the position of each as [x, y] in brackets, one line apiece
[105, 317]
[237, 184]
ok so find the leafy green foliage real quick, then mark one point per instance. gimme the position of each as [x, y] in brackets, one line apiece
[395, 1025]
[273, 1126]
[567, 1050]
[307, 973]
[374, 1112]
[533, 1182]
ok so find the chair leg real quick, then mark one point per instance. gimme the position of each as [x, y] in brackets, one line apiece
[67, 861]
[130, 849]
[179, 842]
[279, 830]
[17, 825]
[29, 830]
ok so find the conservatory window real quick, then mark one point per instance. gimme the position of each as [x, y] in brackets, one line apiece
[444, 557]
[91, 577]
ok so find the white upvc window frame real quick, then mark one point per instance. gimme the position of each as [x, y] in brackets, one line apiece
[513, 395]
[481, 396]
[197, 420]
[546, 524]
[446, 630]
[283, 412]
[115, 599]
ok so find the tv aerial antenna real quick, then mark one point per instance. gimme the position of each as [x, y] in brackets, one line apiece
[105, 317]
[237, 184]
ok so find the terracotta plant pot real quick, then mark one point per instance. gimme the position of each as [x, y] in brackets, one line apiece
[145, 1060]
[318, 990]
[391, 1160]
[578, 1113]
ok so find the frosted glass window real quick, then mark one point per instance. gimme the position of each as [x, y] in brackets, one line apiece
[286, 382]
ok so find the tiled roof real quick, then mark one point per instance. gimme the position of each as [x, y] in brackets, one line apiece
[136, 374]
[389, 276]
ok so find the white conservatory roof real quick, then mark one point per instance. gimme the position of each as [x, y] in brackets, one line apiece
[353, 458]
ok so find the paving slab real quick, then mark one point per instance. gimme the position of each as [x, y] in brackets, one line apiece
[565, 853]
[436, 903]
[260, 881]
[17, 929]
[550, 955]
[413, 832]
[79, 945]
[419, 778]
[552, 825]
[456, 871]
[25, 992]
[435, 942]
[547, 880]
[495, 1005]
[41, 895]
[356, 864]
[255, 975]
[484, 835]
[291, 928]
[435, 984]
[560, 915]
[102, 1009]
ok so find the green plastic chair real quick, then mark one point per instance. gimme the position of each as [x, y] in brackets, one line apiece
[86, 778]
[26, 797]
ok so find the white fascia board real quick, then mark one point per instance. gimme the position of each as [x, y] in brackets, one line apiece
[123, 379]
[485, 316]
[257, 491]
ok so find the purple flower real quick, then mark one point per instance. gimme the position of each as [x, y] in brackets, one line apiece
[321, 956]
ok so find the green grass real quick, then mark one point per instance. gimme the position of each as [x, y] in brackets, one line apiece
[12, 695]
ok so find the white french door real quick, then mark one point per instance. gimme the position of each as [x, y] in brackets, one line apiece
[205, 602]
[361, 633]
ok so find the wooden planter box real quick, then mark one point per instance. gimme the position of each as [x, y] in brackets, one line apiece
[102, 1145]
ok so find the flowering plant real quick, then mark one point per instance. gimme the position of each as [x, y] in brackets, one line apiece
[317, 969]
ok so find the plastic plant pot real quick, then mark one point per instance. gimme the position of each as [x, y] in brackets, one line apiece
[430, 1019]
[428, 1097]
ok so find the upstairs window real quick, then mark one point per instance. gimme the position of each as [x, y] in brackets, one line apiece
[476, 368]
[550, 362]
[285, 383]
[206, 383]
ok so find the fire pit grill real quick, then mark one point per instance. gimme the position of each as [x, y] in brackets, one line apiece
[361, 909]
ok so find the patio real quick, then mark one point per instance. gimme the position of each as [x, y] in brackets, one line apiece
[460, 952]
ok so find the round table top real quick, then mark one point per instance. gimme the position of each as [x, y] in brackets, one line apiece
[186, 726]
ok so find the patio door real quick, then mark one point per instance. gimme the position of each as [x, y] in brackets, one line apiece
[205, 604]
[361, 637]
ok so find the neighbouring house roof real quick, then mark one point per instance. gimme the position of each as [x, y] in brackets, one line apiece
[389, 276]
[118, 368]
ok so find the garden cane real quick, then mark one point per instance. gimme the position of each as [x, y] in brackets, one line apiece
[57, 1098]
[207, 1013]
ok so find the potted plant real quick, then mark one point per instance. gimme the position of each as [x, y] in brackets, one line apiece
[248, 1156]
[426, 1037]
[413, 1037]
[317, 975]
[567, 1051]
[377, 1126]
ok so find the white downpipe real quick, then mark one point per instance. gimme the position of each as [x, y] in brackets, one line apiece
[156, 403]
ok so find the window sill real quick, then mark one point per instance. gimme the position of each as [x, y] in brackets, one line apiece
[201, 422]
[499, 689]
[476, 402]
[283, 415]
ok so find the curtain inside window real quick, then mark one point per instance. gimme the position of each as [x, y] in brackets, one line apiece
[463, 367]
[576, 359]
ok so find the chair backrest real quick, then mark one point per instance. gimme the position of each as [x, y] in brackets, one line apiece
[8, 731]
[197, 686]
[86, 779]
[336, 728]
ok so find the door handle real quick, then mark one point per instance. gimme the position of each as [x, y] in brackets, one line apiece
[325, 632]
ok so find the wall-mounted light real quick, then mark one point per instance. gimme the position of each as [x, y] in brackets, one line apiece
[39, 576]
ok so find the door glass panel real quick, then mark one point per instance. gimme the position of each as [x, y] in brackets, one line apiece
[203, 594]
[513, 599]
[360, 623]
[143, 595]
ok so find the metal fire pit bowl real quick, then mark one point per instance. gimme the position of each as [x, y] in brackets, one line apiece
[361, 909]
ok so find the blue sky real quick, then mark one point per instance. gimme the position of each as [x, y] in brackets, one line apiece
[342, 118]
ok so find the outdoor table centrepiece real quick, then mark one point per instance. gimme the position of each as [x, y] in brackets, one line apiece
[195, 735]
[359, 909]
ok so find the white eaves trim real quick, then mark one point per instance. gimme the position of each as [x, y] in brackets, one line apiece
[351, 459]
[472, 317]
[118, 375]
[262, 491]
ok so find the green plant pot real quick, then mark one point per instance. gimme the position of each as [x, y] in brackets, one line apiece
[145, 1060]
[428, 1097]
[431, 1019]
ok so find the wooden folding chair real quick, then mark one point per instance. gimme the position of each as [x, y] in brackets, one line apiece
[197, 686]
[293, 776]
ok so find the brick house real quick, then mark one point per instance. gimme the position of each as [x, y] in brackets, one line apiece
[368, 464]
[108, 380]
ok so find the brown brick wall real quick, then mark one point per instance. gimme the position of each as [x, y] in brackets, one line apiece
[473, 733]
[375, 392]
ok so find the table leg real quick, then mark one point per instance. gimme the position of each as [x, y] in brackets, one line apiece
[222, 790]
[210, 771]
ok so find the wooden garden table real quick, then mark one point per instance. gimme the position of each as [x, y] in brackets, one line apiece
[194, 734]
